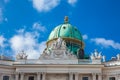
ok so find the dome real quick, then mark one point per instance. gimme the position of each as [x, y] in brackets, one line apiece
[70, 34]
[65, 30]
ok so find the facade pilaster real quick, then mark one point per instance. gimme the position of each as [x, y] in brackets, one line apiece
[43, 76]
[99, 76]
[21, 76]
[1, 76]
[38, 76]
[76, 76]
[70, 76]
[94, 76]
[16, 76]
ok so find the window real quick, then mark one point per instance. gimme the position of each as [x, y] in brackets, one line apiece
[31, 78]
[85, 78]
[112, 78]
[64, 27]
[5, 77]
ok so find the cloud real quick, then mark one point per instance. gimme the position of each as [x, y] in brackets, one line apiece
[28, 43]
[39, 27]
[2, 40]
[85, 36]
[72, 2]
[45, 5]
[106, 43]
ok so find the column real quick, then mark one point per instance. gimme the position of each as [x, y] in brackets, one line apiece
[76, 76]
[80, 77]
[94, 76]
[16, 76]
[43, 76]
[99, 76]
[117, 77]
[1, 77]
[22, 76]
[38, 76]
[70, 76]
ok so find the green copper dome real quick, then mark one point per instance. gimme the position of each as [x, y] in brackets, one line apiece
[65, 30]
[70, 34]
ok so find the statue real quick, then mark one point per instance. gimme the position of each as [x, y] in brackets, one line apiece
[118, 56]
[92, 56]
[21, 55]
[59, 43]
[103, 57]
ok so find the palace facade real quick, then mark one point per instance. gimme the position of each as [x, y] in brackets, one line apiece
[62, 59]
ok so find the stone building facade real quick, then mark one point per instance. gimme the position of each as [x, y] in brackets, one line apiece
[63, 59]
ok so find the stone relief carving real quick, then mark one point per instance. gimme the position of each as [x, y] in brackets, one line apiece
[21, 55]
[57, 50]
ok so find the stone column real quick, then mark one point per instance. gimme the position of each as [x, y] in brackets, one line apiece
[94, 76]
[43, 76]
[38, 76]
[99, 76]
[80, 77]
[76, 76]
[70, 76]
[16, 76]
[22, 76]
[1, 77]
[117, 77]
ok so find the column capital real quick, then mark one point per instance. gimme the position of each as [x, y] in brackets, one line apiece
[99, 73]
[16, 73]
[43, 72]
[76, 73]
[71, 72]
[38, 73]
[94, 73]
[22, 73]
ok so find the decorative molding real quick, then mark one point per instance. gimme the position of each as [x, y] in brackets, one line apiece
[58, 50]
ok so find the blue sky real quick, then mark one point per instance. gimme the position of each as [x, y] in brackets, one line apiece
[26, 24]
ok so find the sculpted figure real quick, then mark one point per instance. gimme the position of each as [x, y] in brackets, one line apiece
[118, 56]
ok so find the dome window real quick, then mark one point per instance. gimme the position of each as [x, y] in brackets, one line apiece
[75, 29]
[64, 27]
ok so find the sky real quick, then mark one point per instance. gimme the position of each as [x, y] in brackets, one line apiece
[26, 24]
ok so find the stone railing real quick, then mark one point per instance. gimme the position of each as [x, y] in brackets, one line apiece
[112, 63]
[37, 61]
[2, 62]
[84, 61]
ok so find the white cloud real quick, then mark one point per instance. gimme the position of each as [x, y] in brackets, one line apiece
[72, 2]
[28, 43]
[45, 5]
[38, 26]
[106, 43]
[85, 36]
[2, 40]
